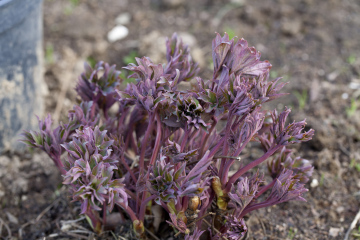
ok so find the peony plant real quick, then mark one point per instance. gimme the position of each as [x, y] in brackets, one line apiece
[153, 144]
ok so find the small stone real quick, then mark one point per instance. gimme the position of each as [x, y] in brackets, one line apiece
[340, 209]
[198, 56]
[117, 33]
[334, 232]
[345, 96]
[291, 27]
[332, 76]
[188, 39]
[20, 185]
[123, 19]
[66, 227]
[354, 84]
[321, 72]
[12, 218]
[314, 183]
[4, 160]
[24, 198]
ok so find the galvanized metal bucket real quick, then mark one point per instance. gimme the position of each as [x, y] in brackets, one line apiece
[21, 70]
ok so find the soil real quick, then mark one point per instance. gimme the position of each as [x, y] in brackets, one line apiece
[313, 45]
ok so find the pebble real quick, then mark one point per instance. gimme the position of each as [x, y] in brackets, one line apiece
[291, 27]
[188, 39]
[117, 33]
[334, 232]
[314, 183]
[354, 84]
[123, 19]
[345, 96]
[198, 56]
[332, 76]
[340, 209]
[321, 72]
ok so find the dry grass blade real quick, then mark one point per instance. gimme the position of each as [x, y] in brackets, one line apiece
[46, 210]
[3, 223]
[72, 221]
[200, 218]
[217, 231]
[352, 225]
[38, 218]
[151, 234]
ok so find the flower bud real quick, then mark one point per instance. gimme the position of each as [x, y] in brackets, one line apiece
[216, 186]
[138, 227]
[194, 203]
[222, 198]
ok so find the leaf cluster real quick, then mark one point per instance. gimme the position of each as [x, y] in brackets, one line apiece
[163, 146]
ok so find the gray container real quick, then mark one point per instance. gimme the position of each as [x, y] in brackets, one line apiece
[21, 70]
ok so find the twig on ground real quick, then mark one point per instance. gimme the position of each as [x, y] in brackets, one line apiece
[196, 220]
[217, 231]
[7, 228]
[343, 149]
[261, 223]
[352, 225]
[46, 210]
[37, 219]
[151, 234]
[78, 236]
[200, 218]
[72, 221]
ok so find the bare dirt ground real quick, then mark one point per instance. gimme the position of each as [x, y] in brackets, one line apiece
[314, 45]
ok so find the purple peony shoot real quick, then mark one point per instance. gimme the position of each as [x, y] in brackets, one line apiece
[163, 146]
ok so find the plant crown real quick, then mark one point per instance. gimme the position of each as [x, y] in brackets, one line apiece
[154, 144]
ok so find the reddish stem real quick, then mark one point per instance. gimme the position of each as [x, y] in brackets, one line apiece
[60, 165]
[256, 206]
[122, 160]
[129, 133]
[128, 210]
[122, 118]
[216, 148]
[204, 140]
[185, 137]
[185, 203]
[143, 207]
[251, 165]
[157, 140]
[156, 150]
[223, 175]
[265, 188]
[131, 194]
[144, 143]
[230, 162]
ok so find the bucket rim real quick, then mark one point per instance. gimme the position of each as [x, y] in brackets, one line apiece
[4, 2]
